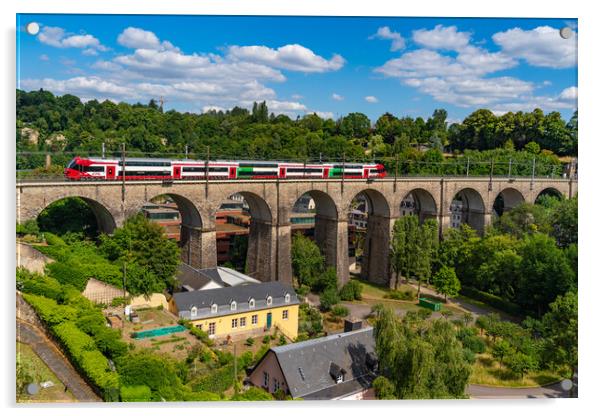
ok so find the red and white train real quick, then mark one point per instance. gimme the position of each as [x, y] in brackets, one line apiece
[166, 169]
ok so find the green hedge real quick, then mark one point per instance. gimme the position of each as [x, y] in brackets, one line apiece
[492, 300]
[38, 284]
[49, 311]
[135, 393]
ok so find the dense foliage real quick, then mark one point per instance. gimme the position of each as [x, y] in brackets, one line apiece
[64, 124]
[421, 359]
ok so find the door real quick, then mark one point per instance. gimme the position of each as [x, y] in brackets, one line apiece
[269, 320]
[177, 172]
[282, 172]
[110, 172]
[232, 173]
[366, 173]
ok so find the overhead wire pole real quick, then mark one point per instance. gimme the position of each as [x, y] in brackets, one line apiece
[490, 187]
[207, 173]
[532, 175]
[123, 179]
[396, 172]
[343, 174]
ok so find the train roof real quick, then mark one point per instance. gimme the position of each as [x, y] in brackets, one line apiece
[255, 162]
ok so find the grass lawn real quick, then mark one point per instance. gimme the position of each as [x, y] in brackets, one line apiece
[40, 372]
[487, 371]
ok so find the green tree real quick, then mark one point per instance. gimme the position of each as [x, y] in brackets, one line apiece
[144, 242]
[501, 349]
[560, 331]
[564, 222]
[446, 282]
[307, 261]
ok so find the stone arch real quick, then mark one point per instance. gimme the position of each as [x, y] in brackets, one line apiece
[105, 219]
[191, 224]
[330, 233]
[550, 190]
[375, 258]
[262, 252]
[507, 199]
[424, 204]
[471, 209]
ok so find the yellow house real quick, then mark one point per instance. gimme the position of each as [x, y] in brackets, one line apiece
[240, 311]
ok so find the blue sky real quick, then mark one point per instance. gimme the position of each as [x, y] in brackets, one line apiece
[328, 65]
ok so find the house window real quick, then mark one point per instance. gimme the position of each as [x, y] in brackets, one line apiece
[243, 322]
[276, 385]
[251, 303]
[269, 301]
[339, 378]
[254, 320]
[199, 326]
[233, 306]
[285, 314]
[234, 322]
[214, 308]
[287, 298]
[211, 330]
[193, 311]
[266, 380]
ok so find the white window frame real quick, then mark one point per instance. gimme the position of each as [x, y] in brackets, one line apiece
[214, 308]
[254, 319]
[339, 378]
[285, 314]
[243, 322]
[287, 298]
[251, 303]
[211, 328]
[268, 301]
[233, 305]
[193, 311]
[235, 323]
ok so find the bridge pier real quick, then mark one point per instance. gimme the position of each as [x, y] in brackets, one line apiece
[198, 247]
[331, 235]
[268, 255]
[375, 260]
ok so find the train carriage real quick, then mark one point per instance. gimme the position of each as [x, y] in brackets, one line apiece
[167, 169]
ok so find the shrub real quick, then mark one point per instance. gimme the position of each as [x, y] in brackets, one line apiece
[38, 284]
[53, 239]
[29, 227]
[383, 388]
[474, 344]
[325, 281]
[492, 300]
[253, 394]
[217, 381]
[49, 311]
[249, 342]
[399, 295]
[328, 299]
[135, 393]
[266, 339]
[340, 311]
[302, 290]
[351, 291]
[282, 340]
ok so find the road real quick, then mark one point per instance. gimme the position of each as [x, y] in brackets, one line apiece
[484, 392]
[57, 363]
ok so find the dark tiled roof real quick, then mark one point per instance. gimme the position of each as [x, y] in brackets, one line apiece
[194, 278]
[307, 366]
[223, 297]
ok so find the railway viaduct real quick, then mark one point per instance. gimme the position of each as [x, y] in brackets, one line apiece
[271, 203]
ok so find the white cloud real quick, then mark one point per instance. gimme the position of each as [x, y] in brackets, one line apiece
[398, 42]
[441, 37]
[90, 52]
[56, 37]
[325, 114]
[371, 99]
[85, 87]
[44, 57]
[208, 108]
[337, 97]
[296, 96]
[136, 38]
[541, 46]
[291, 57]
[569, 94]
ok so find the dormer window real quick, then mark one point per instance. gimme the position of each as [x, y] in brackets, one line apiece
[339, 378]
[233, 305]
[268, 301]
[193, 311]
[251, 303]
[214, 308]
[287, 298]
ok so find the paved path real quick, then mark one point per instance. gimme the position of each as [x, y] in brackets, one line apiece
[57, 363]
[483, 392]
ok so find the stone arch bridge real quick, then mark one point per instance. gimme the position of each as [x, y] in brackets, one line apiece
[271, 203]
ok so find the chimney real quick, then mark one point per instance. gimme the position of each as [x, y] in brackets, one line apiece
[352, 325]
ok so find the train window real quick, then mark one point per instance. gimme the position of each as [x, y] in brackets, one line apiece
[145, 173]
[144, 163]
[301, 170]
[258, 165]
[93, 168]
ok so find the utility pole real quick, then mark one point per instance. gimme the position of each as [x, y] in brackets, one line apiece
[123, 179]
[467, 165]
[185, 151]
[490, 187]
[510, 168]
[343, 174]
[207, 173]
[125, 304]
[532, 174]
[103, 150]
[396, 172]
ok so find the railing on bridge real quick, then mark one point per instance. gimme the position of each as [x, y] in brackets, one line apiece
[48, 166]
